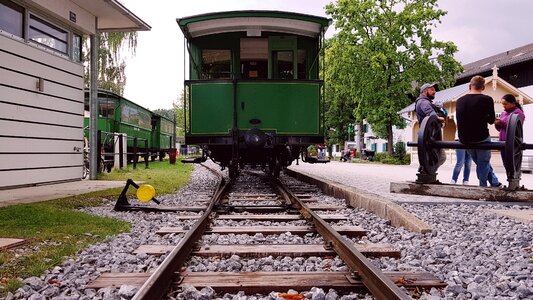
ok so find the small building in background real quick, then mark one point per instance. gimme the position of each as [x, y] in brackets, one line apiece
[42, 84]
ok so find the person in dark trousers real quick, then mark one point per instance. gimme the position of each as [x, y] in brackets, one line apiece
[510, 106]
[424, 107]
[474, 112]
[463, 159]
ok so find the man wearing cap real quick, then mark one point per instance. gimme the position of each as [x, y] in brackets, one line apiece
[424, 102]
[424, 107]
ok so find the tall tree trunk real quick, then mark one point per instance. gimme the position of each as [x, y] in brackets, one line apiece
[360, 145]
[390, 139]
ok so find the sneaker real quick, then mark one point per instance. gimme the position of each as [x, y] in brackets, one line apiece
[465, 182]
[453, 182]
[497, 185]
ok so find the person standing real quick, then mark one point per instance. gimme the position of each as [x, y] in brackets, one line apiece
[474, 112]
[463, 159]
[424, 107]
[510, 106]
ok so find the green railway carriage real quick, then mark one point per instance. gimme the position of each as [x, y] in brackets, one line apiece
[119, 115]
[254, 95]
[162, 135]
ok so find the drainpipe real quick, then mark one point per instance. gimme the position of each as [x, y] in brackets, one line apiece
[93, 105]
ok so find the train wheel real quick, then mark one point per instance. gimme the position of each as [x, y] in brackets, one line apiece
[277, 169]
[233, 171]
[274, 169]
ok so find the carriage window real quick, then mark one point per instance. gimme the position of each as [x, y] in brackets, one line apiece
[166, 126]
[216, 64]
[283, 65]
[302, 64]
[254, 58]
[11, 18]
[107, 107]
[47, 34]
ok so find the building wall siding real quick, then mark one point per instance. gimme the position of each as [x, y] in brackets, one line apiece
[41, 131]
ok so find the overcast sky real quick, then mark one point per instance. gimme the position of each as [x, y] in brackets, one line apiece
[155, 73]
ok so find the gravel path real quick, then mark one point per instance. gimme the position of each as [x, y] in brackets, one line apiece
[479, 254]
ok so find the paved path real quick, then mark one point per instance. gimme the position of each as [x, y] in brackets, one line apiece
[54, 191]
[376, 178]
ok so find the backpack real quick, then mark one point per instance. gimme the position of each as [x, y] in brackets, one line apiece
[440, 111]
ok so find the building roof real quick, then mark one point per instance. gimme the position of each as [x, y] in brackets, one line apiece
[442, 97]
[113, 16]
[453, 93]
[503, 59]
[253, 22]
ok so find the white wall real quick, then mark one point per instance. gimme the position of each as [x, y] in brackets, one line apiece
[41, 131]
[399, 135]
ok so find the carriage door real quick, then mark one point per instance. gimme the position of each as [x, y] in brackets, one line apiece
[282, 50]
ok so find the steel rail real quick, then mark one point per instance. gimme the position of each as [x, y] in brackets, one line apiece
[158, 283]
[373, 278]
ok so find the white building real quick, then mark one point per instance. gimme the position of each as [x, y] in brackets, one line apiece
[42, 81]
[370, 140]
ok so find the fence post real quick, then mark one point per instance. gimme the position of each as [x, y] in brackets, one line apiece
[120, 151]
[146, 153]
[135, 157]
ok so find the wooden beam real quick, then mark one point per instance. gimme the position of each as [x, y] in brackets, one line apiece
[461, 192]
[269, 217]
[265, 282]
[258, 251]
[298, 230]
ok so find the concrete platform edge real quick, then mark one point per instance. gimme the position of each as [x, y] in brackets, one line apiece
[385, 209]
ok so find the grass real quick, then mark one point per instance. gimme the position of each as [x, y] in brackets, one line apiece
[55, 230]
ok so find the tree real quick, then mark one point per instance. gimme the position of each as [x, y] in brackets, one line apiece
[167, 113]
[339, 100]
[390, 47]
[180, 115]
[111, 64]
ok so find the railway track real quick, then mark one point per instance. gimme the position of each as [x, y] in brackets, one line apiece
[259, 208]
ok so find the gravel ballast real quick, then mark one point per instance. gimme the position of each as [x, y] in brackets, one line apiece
[479, 255]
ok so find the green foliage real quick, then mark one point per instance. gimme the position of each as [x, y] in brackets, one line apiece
[180, 111]
[399, 150]
[312, 151]
[111, 64]
[381, 48]
[380, 156]
[339, 103]
[167, 113]
[396, 159]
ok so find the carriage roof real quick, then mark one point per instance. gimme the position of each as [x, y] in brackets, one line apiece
[253, 22]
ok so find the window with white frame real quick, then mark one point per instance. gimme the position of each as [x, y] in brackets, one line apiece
[47, 34]
[39, 30]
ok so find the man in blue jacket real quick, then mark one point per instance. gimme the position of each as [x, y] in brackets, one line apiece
[424, 107]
